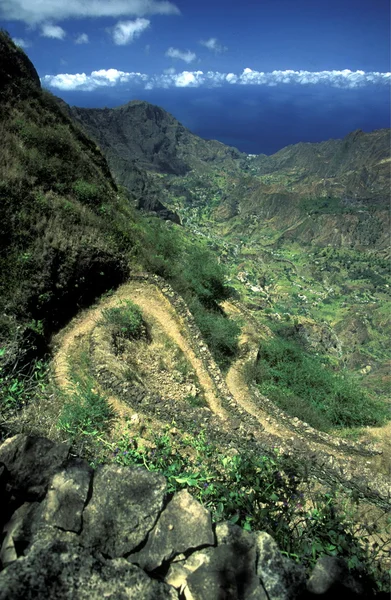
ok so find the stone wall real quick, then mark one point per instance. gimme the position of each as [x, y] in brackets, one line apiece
[324, 466]
[72, 532]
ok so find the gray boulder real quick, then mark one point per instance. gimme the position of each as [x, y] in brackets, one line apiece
[62, 571]
[281, 578]
[331, 576]
[67, 496]
[57, 517]
[183, 525]
[124, 507]
[31, 462]
[227, 571]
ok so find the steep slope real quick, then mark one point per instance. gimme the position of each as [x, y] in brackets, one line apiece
[140, 139]
[148, 137]
[67, 233]
[306, 188]
[57, 252]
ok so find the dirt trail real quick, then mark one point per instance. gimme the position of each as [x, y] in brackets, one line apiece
[235, 378]
[252, 333]
[155, 306]
[153, 303]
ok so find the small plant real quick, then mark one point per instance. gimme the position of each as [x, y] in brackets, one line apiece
[264, 493]
[86, 413]
[126, 320]
[195, 401]
[19, 385]
[88, 193]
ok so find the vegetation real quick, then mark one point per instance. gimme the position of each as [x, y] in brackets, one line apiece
[194, 272]
[68, 234]
[303, 386]
[267, 492]
[20, 384]
[86, 412]
[126, 320]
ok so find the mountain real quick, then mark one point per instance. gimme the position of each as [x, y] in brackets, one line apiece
[301, 191]
[139, 138]
[334, 192]
[148, 137]
[59, 248]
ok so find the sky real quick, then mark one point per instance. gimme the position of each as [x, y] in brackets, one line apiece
[255, 74]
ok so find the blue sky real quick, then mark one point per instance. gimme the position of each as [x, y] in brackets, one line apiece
[258, 74]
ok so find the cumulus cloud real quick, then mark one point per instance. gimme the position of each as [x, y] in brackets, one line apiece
[214, 45]
[126, 32]
[21, 42]
[97, 79]
[344, 79]
[53, 31]
[82, 38]
[33, 11]
[185, 55]
[171, 79]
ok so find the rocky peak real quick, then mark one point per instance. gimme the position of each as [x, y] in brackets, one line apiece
[17, 73]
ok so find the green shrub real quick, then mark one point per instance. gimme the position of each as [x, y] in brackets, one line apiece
[220, 333]
[87, 412]
[88, 193]
[304, 387]
[126, 320]
[268, 492]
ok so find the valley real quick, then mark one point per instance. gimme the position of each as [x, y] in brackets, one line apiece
[171, 303]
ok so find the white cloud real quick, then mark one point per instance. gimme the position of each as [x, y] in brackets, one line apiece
[343, 79]
[97, 79]
[39, 11]
[21, 42]
[188, 79]
[126, 32]
[53, 31]
[231, 78]
[214, 45]
[82, 38]
[185, 55]
[171, 79]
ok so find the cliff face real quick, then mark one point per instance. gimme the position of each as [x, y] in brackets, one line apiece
[148, 137]
[18, 76]
[57, 253]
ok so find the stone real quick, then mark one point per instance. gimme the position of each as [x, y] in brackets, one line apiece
[67, 496]
[62, 571]
[14, 531]
[4, 495]
[330, 575]
[31, 523]
[31, 462]
[227, 571]
[270, 567]
[124, 507]
[183, 525]
[226, 574]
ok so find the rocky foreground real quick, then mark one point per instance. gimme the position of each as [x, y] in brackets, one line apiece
[70, 531]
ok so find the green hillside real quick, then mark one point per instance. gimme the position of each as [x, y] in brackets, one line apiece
[245, 343]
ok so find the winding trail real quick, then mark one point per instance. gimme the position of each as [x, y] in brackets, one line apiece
[153, 303]
[337, 458]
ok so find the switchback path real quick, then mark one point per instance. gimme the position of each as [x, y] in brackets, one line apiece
[352, 465]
